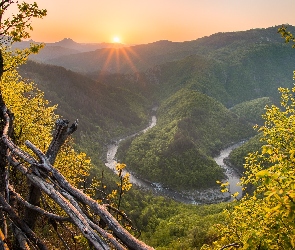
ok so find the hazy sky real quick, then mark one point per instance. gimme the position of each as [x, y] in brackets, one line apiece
[144, 21]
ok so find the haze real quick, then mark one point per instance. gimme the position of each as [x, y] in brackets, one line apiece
[139, 21]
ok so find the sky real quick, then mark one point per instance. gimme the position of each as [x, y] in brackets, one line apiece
[146, 21]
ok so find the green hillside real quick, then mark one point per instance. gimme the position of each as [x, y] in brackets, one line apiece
[139, 58]
[105, 112]
[240, 75]
[193, 83]
[253, 110]
[111, 108]
[191, 128]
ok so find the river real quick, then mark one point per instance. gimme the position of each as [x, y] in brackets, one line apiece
[211, 195]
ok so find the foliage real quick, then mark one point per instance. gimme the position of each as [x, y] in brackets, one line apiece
[166, 224]
[191, 128]
[236, 158]
[124, 186]
[265, 220]
[287, 35]
[18, 26]
[252, 111]
[34, 121]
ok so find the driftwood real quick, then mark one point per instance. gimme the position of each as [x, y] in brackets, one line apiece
[44, 178]
[62, 132]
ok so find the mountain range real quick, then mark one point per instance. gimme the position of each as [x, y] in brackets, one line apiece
[67, 46]
[117, 58]
[196, 85]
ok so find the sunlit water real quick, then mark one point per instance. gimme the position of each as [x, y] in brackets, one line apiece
[212, 195]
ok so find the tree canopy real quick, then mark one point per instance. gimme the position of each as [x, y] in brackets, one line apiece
[264, 218]
[44, 197]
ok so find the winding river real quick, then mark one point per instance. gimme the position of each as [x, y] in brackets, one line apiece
[211, 195]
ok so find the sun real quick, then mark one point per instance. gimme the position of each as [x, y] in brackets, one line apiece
[116, 39]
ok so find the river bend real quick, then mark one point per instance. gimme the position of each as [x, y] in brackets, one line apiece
[211, 195]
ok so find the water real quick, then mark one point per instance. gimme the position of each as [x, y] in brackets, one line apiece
[232, 176]
[211, 195]
[112, 150]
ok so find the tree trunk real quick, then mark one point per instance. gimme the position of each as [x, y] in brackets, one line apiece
[3, 156]
[62, 132]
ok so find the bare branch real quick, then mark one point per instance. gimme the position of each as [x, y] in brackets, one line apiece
[20, 224]
[77, 218]
[38, 209]
[61, 133]
[236, 245]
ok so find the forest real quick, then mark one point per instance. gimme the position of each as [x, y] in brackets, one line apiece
[207, 94]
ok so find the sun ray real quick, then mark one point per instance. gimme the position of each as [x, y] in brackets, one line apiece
[118, 58]
[110, 52]
[129, 60]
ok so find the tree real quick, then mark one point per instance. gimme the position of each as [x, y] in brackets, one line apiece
[264, 219]
[26, 122]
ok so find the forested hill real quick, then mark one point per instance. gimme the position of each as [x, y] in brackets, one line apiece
[194, 84]
[141, 57]
[240, 75]
[106, 109]
[192, 128]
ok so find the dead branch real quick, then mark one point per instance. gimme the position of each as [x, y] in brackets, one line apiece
[21, 224]
[38, 209]
[69, 198]
[61, 133]
[236, 245]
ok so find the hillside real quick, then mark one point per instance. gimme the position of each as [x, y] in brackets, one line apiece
[243, 75]
[252, 111]
[106, 111]
[142, 57]
[178, 151]
[193, 83]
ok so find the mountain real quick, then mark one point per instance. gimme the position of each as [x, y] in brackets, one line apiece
[65, 47]
[195, 84]
[178, 151]
[141, 57]
[243, 74]
[68, 43]
[98, 106]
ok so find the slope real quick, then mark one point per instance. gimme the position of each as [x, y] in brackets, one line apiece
[236, 76]
[191, 128]
[141, 57]
[107, 109]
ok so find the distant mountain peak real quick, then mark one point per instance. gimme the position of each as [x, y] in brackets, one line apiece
[66, 41]
[162, 42]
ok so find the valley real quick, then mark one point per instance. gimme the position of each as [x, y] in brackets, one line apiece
[209, 94]
[205, 196]
[196, 94]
